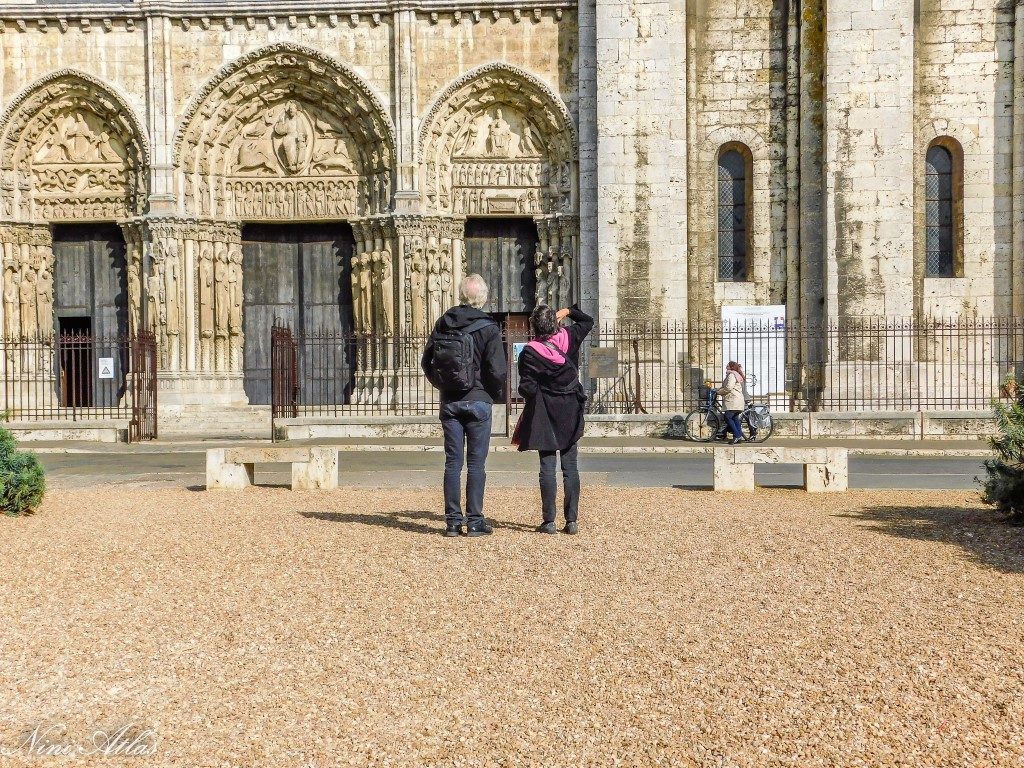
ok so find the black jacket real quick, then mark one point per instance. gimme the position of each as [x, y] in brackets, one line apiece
[490, 357]
[553, 417]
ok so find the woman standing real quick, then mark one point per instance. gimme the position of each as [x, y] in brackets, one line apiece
[552, 421]
[733, 401]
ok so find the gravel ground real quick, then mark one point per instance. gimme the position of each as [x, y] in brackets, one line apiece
[271, 628]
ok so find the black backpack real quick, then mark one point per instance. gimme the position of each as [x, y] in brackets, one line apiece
[453, 361]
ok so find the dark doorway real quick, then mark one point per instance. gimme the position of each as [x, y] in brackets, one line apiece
[90, 277]
[298, 275]
[502, 251]
[90, 307]
[75, 362]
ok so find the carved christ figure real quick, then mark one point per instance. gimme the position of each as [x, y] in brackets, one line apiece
[206, 292]
[500, 136]
[291, 131]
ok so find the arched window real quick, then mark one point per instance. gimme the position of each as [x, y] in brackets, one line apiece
[943, 211]
[734, 180]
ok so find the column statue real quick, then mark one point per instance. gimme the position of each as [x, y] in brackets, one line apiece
[235, 290]
[417, 299]
[357, 313]
[44, 299]
[27, 302]
[365, 292]
[206, 291]
[433, 288]
[11, 306]
[387, 292]
[222, 295]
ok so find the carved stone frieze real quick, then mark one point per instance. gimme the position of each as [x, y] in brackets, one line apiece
[71, 149]
[286, 133]
[498, 142]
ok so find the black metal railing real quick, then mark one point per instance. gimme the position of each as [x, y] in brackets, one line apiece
[840, 365]
[81, 377]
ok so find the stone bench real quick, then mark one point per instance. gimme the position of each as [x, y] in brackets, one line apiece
[826, 470]
[233, 468]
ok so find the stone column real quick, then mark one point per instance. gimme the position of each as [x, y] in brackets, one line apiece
[192, 300]
[1017, 260]
[869, 158]
[404, 79]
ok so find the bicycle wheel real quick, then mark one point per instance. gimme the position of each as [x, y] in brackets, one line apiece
[702, 426]
[762, 433]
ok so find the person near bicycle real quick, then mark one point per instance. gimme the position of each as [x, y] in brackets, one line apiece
[733, 399]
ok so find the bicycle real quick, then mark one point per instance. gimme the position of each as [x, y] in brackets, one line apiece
[708, 423]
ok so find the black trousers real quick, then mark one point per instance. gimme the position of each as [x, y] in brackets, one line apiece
[570, 484]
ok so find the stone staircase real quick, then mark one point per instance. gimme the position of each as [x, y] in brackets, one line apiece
[246, 422]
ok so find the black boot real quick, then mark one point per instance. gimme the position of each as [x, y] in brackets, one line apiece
[452, 531]
[546, 528]
[571, 528]
[479, 528]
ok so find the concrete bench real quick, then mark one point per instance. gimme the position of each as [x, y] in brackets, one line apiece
[826, 470]
[233, 468]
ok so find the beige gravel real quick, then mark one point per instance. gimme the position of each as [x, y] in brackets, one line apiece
[271, 628]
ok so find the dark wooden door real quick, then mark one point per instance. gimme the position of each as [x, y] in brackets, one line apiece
[90, 276]
[298, 276]
[90, 307]
[502, 251]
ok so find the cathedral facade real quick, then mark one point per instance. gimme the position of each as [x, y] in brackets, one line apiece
[208, 169]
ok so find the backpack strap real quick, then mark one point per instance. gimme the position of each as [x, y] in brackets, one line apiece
[477, 325]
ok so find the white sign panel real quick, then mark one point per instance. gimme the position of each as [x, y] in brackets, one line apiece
[755, 337]
[106, 367]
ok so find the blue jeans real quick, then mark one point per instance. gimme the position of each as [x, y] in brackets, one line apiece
[570, 484]
[732, 418]
[467, 431]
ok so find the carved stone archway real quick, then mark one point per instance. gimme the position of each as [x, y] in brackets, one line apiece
[285, 133]
[71, 149]
[498, 141]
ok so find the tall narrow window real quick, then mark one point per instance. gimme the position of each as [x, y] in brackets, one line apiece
[734, 175]
[943, 206]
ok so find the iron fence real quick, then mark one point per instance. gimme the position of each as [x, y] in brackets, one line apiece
[79, 377]
[851, 364]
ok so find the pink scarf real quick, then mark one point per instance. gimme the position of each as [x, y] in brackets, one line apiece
[560, 340]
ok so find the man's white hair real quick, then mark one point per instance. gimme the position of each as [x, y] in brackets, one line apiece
[473, 291]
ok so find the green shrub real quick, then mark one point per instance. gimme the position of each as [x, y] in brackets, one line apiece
[22, 481]
[1004, 484]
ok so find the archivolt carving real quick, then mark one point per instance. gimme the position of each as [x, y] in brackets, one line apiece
[71, 148]
[499, 141]
[286, 133]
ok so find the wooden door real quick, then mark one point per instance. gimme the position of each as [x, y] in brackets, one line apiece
[90, 304]
[502, 251]
[327, 368]
[270, 294]
[298, 276]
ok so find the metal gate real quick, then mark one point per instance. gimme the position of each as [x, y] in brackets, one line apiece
[284, 376]
[142, 381]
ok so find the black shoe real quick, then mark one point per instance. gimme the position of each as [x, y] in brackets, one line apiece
[452, 531]
[547, 528]
[480, 528]
[571, 528]
[735, 441]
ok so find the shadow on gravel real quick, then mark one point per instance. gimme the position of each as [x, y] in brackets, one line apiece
[404, 521]
[979, 531]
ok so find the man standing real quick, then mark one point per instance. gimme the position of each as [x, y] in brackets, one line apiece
[465, 360]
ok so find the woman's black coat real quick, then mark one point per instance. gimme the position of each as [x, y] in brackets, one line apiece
[553, 417]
